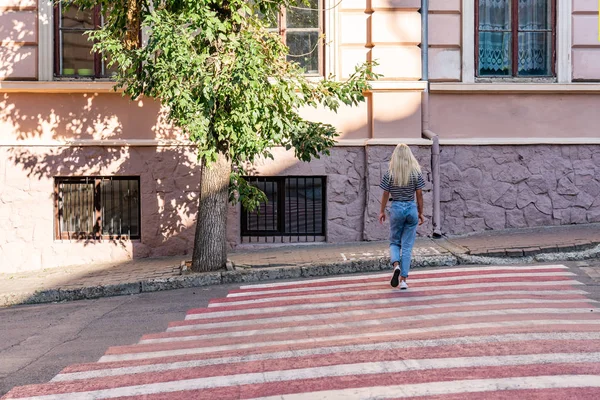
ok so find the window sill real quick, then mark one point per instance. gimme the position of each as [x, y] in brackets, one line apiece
[58, 86]
[103, 86]
[521, 87]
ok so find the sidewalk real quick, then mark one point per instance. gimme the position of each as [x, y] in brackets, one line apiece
[565, 243]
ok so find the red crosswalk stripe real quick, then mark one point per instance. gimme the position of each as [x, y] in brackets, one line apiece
[487, 332]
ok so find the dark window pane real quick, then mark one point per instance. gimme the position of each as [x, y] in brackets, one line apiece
[120, 207]
[76, 207]
[106, 70]
[117, 200]
[77, 58]
[264, 218]
[301, 212]
[494, 15]
[73, 17]
[304, 49]
[495, 54]
[303, 16]
[535, 15]
[270, 19]
[134, 204]
[535, 53]
[304, 205]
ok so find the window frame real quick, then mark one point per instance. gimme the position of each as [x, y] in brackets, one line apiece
[97, 20]
[515, 44]
[280, 182]
[282, 31]
[96, 233]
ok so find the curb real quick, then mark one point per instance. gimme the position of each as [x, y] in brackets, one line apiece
[264, 274]
[216, 278]
[593, 252]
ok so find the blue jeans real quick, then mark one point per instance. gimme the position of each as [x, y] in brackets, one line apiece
[403, 231]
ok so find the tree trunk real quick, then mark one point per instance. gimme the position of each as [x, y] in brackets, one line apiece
[210, 249]
[132, 36]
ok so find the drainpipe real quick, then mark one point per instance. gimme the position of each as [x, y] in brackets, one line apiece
[426, 132]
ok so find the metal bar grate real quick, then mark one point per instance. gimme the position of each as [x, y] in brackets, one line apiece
[295, 207]
[98, 207]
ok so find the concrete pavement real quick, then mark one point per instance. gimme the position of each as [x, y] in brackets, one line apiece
[527, 331]
[561, 243]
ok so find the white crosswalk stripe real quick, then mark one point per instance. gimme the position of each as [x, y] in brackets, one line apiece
[527, 330]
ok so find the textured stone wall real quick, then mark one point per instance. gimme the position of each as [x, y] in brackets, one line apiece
[482, 187]
[169, 194]
[344, 169]
[378, 158]
[497, 187]
[353, 193]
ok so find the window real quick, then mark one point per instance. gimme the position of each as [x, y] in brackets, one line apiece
[300, 28]
[97, 208]
[73, 51]
[295, 207]
[515, 38]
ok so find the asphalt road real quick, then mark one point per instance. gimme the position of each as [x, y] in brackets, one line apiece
[38, 341]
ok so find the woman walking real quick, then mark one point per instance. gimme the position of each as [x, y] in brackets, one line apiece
[402, 181]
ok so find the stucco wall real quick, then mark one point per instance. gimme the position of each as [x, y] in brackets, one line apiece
[445, 42]
[514, 115]
[47, 117]
[586, 46]
[497, 187]
[344, 169]
[18, 39]
[353, 193]
[169, 180]
[386, 30]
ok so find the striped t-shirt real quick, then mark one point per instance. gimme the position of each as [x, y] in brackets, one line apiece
[402, 193]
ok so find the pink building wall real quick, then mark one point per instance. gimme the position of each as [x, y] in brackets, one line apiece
[586, 44]
[169, 180]
[484, 116]
[18, 39]
[45, 133]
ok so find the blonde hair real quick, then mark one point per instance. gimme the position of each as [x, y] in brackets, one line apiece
[402, 165]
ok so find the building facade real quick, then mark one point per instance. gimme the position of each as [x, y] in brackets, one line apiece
[509, 88]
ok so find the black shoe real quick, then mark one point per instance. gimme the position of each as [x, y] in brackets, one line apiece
[394, 281]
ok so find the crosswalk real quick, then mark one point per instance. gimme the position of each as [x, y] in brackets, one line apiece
[458, 333]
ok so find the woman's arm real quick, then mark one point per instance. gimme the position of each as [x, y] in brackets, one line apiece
[384, 199]
[420, 206]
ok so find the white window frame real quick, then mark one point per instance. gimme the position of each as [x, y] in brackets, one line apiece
[45, 40]
[563, 41]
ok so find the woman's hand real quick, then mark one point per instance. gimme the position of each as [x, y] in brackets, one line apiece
[384, 200]
[421, 219]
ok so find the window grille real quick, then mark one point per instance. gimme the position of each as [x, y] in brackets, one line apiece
[295, 207]
[97, 208]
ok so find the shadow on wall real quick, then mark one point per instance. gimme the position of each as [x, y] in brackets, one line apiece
[14, 56]
[169, 177]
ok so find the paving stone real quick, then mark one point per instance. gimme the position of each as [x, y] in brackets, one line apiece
[531, 251]
[496, 253]
[514, 252]
[549, 249]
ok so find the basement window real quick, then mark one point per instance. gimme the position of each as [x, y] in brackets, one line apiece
[97, 208]
[295, 207]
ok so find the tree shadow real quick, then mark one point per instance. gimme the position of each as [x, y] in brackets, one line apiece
[49, 137]
[17, 45]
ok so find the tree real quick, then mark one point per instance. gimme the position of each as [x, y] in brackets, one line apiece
[227, 85]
